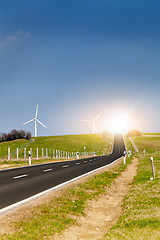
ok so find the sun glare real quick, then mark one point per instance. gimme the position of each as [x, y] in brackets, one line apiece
[118, 124]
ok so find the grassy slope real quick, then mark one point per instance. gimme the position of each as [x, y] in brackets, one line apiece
[140, 219]
[151, 133]
[69, 143]
[13, 145]
[150, 144]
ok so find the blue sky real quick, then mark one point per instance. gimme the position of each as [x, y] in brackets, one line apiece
[78, 58]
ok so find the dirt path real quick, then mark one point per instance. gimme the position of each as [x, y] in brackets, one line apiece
[103, 213]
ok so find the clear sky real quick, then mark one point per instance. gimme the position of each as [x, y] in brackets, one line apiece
[77, 58]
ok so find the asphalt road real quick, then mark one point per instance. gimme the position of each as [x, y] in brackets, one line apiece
[21, 183]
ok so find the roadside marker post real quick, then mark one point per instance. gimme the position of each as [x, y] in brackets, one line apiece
[124, 157]
[24, 153]
[84, 151]
[17, 153]
[37, 153]
[77, 155]
[30, 156]
[153, 172]
[9, 153]
[42, 153]
[129, 153]
[144, 151]
[46, 153]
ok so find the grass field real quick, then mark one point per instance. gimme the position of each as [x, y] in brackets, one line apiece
[141, 217]
[67, 143]
[150, 144]
[151, 134]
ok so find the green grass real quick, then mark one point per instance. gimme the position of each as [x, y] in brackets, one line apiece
[151, 133]
[150, 144]
[13, 145]
[48, 219]
[141, 216]
[69, 143]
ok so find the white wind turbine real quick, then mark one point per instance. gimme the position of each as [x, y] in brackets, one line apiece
[35, 121]
[94, 129]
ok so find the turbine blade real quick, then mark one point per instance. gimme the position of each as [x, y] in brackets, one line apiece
[29, 121]
[41, 123]
[97, 117]
[36, 111]
[87, 121]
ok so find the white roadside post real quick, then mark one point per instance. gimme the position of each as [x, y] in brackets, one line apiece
[30, 156]
[68, 155]
[153, 172]
[128, 153]
[46, 153]
[42, 153]
[9, 153]
[77, 155]
[124, 157]
[17, 153]
[53, 153]
[84, 151]
[94, 154]
[24, 153]
[56, 154]
[37, 153]
[144, 151]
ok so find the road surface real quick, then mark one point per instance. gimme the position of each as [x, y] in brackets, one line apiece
[17, 184]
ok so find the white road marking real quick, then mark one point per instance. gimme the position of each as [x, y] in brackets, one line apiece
[77, 163]
[21, 176]
[47, 170]
[90, 160]
[85, 161]
[65, 166]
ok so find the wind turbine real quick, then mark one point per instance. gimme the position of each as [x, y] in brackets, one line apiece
[35, 121]
[94, 129]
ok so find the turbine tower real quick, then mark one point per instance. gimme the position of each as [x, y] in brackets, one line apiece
[94, 129]
[35, 122]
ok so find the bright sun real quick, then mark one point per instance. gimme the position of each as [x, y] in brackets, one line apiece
[118, 124]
